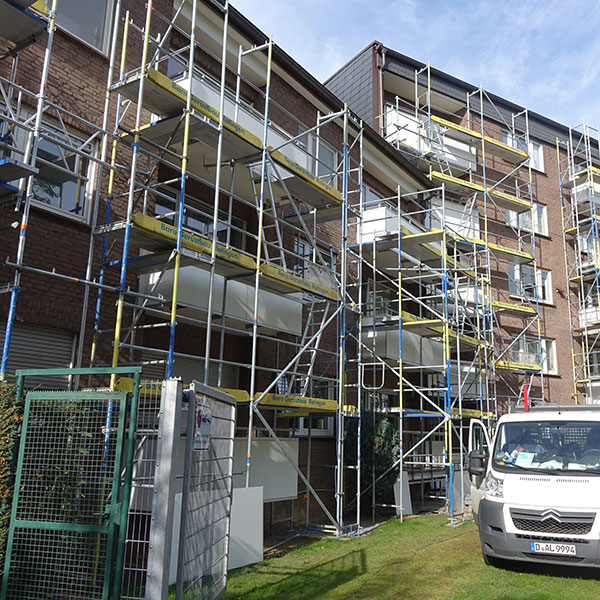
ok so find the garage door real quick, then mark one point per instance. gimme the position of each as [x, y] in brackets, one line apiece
[35, 347]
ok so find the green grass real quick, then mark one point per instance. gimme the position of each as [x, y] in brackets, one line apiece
[420, 558]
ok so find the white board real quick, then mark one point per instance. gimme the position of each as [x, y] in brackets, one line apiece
[269, 467]
[246, 527]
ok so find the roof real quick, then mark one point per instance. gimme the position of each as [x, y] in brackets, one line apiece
[540, 127]
[286, 62]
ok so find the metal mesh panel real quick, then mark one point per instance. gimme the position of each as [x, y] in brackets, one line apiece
[140, 508]
[67, 460]
[61, 531]
[206, 507]
[57, 564]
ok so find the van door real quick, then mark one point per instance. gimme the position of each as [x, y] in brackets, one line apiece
[479, 439]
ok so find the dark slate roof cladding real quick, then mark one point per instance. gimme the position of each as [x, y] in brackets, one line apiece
[500, 110]
[354, 85]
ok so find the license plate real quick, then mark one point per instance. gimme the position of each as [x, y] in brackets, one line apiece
[548, 548]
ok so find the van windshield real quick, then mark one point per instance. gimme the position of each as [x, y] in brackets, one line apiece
[548, 446]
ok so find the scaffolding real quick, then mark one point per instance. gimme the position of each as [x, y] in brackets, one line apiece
[228, 217]
[452, 281]
[579, 187]
[44, 148]
[253, 266]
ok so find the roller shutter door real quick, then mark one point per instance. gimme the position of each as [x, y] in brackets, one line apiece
[35, 347]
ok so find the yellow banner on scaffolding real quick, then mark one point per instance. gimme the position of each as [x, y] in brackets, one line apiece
[472, 413]
[191, 240]
[148, 387]
[306, 402]
[299, 283]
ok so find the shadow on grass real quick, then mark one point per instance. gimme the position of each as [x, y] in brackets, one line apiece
[549, 569]
[313, 582]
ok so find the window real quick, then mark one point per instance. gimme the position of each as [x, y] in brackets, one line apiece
[535, 150]
[320, 426]
[371, 198]
[590, 295]
[199, 217]
[522, 282]
[529, 351]
[322, 160]
[89, 20]
[548, 356]
[523, 220]
[62, 179]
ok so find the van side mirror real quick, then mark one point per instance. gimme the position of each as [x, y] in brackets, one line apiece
[477, 462]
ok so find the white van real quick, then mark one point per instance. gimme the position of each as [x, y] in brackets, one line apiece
[536, 489]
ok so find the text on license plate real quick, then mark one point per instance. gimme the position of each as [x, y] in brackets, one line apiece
[549, 548]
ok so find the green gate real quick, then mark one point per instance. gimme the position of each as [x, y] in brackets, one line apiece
[69, 513]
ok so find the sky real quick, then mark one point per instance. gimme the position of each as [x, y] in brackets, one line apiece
[541, 54]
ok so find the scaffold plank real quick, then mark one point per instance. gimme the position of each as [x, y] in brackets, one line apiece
[508, 201]
[506, 365]
[456, 131]
[17, 25]
[192, 241]
[11, 169]
[509, 254]
[507, 153]
[501, 199]
[504, 151]
[456, 183]
[166, 97]
[513, 307]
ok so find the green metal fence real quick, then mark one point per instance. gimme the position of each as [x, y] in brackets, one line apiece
[69, 513]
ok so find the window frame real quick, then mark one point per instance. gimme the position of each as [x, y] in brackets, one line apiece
[19, 144]
[108, 23]
[516, 220]
[323, 432]
[548, 349]
[542, 284]
[535, 150]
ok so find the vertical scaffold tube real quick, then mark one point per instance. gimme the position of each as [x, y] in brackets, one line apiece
[400, 361]
[259, 241]
[103, 154]
[109, 196]
[131, 193]
[182, 185]
[342, 333]
[213, 252]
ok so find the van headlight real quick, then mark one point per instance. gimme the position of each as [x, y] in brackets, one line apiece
[494, 487]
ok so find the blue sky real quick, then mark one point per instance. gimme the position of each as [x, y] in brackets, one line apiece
[544, 55]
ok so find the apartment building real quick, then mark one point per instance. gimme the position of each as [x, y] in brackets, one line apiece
[146, 225]
[460, 135]
[401, 253]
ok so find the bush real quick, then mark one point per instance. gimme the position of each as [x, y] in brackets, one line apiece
[11, 416]
[380, 448]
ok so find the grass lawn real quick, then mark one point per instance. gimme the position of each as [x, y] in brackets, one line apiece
[421, 558]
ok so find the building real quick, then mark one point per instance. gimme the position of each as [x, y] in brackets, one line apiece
[401, 253]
